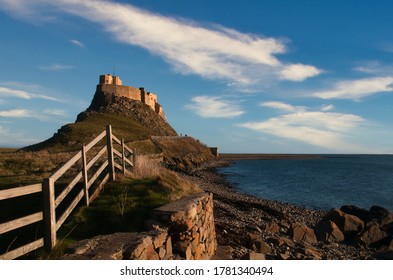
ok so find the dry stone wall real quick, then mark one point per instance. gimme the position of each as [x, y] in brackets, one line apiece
[181, 230]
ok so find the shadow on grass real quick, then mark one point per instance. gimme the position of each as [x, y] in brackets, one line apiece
[122, 206]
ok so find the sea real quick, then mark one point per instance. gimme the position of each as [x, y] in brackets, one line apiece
[324, 182]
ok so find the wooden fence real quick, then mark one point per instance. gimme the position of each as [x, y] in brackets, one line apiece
[52, 198]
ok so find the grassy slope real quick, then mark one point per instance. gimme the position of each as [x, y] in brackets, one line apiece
[71, 136]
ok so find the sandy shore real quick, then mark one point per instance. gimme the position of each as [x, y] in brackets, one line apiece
[241, 219]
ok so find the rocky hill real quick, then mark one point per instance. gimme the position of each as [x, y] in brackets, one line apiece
[139, 125]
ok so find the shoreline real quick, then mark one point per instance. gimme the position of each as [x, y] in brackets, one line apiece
[244, 222]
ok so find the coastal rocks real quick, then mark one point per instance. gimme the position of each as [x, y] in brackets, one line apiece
[277, 230]
[301, 232]
[349, 225]
[371, 235]
[328, 231]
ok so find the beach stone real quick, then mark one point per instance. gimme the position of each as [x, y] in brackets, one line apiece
[272, 227]
[328, 231]
[350, 225]
[284, 256]
[253, 256]
[261, 246]
[301, 232]
[371, 235]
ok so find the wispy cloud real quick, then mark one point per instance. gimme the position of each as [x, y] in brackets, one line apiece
[44, 115]
[16, 113]
[357, 89]
[214, 107]
[283, 106]
[323, 129]
[213, 52]
[55, 67]
[55, 112]
[77, 43]
[374, 67]
[19, 93]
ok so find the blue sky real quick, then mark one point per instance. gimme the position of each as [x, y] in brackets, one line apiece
[250, 76]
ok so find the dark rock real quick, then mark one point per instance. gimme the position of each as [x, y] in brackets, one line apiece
[361, 213]
[382, 215]
[371, 235]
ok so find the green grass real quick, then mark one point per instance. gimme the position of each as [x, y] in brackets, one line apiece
[123, 206]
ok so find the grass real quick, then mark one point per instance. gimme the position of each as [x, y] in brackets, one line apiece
[123, 205]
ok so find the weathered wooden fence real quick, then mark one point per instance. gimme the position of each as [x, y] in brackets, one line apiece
[52, 198]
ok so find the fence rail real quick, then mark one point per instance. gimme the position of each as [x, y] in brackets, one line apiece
[52, 219]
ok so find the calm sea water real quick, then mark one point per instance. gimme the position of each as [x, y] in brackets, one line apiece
[322, 183]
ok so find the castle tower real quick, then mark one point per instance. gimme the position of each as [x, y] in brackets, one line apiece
[108, 79]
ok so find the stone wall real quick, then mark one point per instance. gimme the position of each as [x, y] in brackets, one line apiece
[190, 224]
[182, 230]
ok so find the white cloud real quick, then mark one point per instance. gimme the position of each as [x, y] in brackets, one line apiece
[214, 107]
[356, 89]
[55, 67]
[327, 107]
[55, 112]
[322, 129]
[77, 43]
[16, 113]
[299, 72]
[19, 93]
[283, 106]
[213, 52]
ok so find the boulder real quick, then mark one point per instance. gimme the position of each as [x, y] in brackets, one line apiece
[381, 215]
[328, 231]
[349, 225]
[301, 232]
[361, 213]
[371, 235]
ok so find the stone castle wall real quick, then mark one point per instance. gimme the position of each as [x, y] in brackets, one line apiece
[183, 229]
[113, 85]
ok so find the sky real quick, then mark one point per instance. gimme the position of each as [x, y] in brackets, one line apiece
[248, 76]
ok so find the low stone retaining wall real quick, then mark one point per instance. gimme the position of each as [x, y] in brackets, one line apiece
[183, 229]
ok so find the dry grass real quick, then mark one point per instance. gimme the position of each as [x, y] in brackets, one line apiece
[177, 187]
[147, 167]
[21, 168]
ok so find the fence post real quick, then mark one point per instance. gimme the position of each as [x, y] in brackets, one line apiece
[48, 190]
[85, 179]
[123, 156]
[133, 159]
[111, 161]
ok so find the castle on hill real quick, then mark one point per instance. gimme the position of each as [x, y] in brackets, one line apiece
[112, 85]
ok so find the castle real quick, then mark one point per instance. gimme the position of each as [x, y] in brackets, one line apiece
[112, 85]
